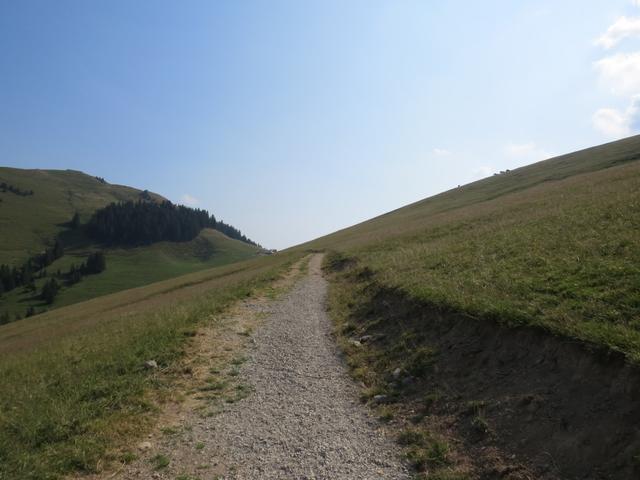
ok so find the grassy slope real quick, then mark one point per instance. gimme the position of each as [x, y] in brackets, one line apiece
[552, 244]
[71, 380]
[30, 223]
[134, 267]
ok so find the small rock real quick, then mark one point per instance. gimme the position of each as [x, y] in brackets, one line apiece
[355, 343]
[145, 446]
[380, 398]
[150, 364]
[396, 373]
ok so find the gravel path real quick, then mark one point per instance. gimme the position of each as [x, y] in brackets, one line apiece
[302, 418]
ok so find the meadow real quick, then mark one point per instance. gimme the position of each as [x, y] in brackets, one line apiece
[73, 380]
[554, 244]
[131, 267]
[31, 223]
[28, 223]
[515, 294]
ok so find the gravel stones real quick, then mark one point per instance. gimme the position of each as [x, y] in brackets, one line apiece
[303, 419]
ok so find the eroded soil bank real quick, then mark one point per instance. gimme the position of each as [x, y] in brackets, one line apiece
[515, 403]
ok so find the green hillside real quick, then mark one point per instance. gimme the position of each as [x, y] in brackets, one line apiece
[553, 244]
[552, 248]
[30, 223]
[132, 267]
[510, 310]
[424, 213]
[71, 380]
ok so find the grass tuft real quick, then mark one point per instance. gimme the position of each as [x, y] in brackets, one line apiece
[160, 461]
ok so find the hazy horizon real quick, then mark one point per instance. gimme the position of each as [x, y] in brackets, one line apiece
[293, 120]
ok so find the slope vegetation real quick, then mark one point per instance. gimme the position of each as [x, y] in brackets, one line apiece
[36, 208]
[29, 223]
[506, 313]
[132, 267]
[495, 326]
[73, 381]
[552, 244]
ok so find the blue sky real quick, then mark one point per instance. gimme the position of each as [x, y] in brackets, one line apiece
[292, 119]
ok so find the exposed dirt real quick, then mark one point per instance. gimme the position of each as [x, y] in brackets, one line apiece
[284, 409]
[517, 403]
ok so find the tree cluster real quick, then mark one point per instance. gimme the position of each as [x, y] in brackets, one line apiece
[49, 291]
[74, 223]
[143, 223]
[5, 187]
[96, 263]
[232, 232]
[13, 277]
[101, 180]
[5, 318]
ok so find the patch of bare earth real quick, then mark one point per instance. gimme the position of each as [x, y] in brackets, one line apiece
[264, 394]
[509, 403]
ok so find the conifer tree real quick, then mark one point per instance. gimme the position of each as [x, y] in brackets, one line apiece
[50, 291]
[75, 221]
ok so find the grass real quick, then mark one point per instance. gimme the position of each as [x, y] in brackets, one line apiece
[28, 224]
[424, 450]
[73, 384]
[133, 267]
[553, 245]
[160, 461]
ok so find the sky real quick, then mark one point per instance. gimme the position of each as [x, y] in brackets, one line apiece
[292, 119]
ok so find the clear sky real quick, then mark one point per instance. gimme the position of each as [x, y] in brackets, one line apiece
[291, 119]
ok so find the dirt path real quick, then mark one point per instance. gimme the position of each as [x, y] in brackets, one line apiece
[294, 413]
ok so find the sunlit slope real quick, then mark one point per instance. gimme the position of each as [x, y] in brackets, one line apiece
[29, 223]
[424, 213]
[134, 267]
[83, 317]
[554, 244]
[72, 382]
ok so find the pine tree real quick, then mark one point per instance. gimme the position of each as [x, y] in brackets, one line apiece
[75, 221]
[58, 250]
[96, 263]
[50, 291]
